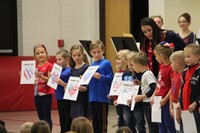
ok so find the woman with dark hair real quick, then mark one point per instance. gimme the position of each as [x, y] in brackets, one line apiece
[151, 35]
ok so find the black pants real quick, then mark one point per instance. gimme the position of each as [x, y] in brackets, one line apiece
[43, 106]
[99, 112]
[64, 115]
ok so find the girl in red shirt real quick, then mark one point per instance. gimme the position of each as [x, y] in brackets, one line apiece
[162, 53]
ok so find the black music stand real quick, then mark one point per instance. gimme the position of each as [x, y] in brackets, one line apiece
[120, 43]
[198, 39]
[86, 46]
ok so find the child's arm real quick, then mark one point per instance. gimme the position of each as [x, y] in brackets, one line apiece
[171, 108]
[152, 98]
[165, 99]
[178, 113]
[60, 82]
[82, 88]
[192, 106]
[148, 94]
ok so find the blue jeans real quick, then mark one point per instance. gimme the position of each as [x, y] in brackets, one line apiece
[153, 127]
[167, 125]
[138, 114]
[43, 106]
[120, 115]
[129, 118]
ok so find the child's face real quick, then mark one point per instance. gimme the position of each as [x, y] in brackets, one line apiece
[190, 58]
[97, 53]
[159, 57]
[120, 62]
[130, 65]
[40, 54]
[135, 67]
[61, 61]
[77, 56]
[174, 65]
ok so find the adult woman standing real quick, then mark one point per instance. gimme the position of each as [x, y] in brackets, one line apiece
[184, 21]
[151, 35]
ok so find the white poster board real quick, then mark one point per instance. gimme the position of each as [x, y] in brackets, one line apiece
[85, 79]
[55, 73]
[71, 91]
[27, 72]
[116, 83]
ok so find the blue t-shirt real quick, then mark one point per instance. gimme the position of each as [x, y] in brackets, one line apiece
[99, 88]
[65, 74]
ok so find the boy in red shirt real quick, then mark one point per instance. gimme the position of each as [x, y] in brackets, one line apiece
[178, 66]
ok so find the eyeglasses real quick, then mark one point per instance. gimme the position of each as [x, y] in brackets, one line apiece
[182, 22]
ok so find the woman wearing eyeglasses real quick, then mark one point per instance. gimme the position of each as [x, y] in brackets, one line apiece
[186, 34]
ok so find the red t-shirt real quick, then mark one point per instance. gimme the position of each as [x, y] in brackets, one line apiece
[41, 84]
[175, 86]
[164, 80]
[186, 88]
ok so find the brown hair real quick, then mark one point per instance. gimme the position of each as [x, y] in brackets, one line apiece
[40, 126]
[124, 129]
[81, 125]
[186, 16]
[40, 45]
[141, 58]
[80, 48]
[129, 55]
[164, 50]
[195, 49]
[97, 44]
[26, 127]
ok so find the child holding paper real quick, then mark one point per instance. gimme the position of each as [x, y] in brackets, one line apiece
[42, 92]
[79, 65]
[190, 92]
[63, 59]
[147, 84]
[121, 66]
[178, 66]
[99, 87]
[133, 118]
[162, 53]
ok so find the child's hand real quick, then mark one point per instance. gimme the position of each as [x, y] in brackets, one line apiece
[138, 98]
[151, 101]
[162, 102]
[171, 112]
[58, 81]
[129, 102]
[97, 75]
[115, 102]
[38, 74]
[136, 82]
[192, 107]
[178, 114]
[82, 88]
[109, 97]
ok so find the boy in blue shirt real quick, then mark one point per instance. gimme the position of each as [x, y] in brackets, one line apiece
[99, 87]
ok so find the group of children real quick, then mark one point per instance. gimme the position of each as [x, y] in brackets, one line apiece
[174, 83]
[74, 64]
